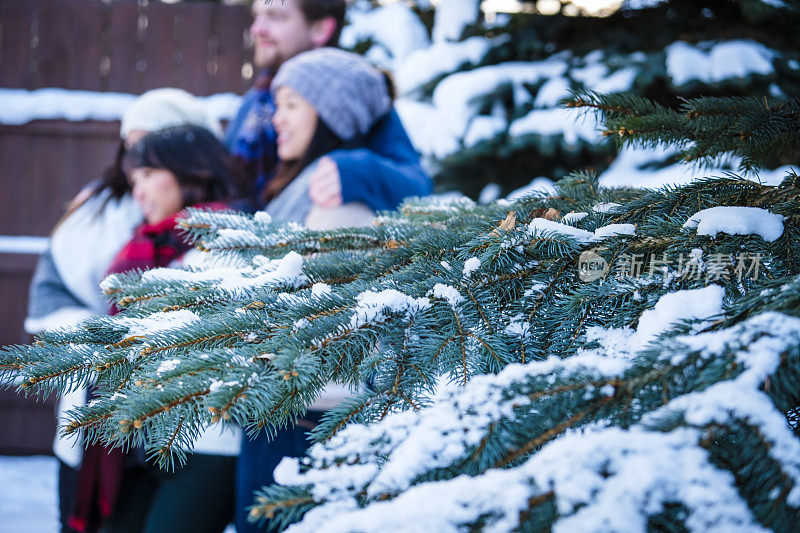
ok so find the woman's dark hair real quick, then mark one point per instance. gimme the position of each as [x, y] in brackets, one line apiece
[322, 142]
[201, 164]
[114, 178]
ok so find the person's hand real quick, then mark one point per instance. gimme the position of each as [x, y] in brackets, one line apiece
[325, 187]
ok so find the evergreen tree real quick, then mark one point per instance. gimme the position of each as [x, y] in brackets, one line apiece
[609, 359]
[480, 98]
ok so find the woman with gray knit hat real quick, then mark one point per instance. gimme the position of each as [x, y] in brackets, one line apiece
[326, 99]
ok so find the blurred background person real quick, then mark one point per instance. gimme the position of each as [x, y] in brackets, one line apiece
[168, 170]
[96, 225]
[380, 173]
[326, 99]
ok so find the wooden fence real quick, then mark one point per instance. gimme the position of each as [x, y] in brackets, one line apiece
[92, 45]
[123, 45]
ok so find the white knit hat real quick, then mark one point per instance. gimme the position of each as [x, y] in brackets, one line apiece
[162, 108]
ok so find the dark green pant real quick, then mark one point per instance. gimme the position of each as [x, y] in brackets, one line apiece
[197, 498]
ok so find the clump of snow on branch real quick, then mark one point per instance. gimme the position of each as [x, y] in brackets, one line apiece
[735, 220]
[613, 230]
[168, 366]
[448, 293]
[546, 228]
[696, 304]
[471, 265]
[372, 307]
[158, 322]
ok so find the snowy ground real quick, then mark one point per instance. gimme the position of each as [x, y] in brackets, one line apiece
[28, 494]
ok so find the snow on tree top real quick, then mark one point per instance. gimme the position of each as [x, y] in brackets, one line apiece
[567, 122]
[456, 96]
[716, 62]
[395, 28]
[452, 18]
[423, 65]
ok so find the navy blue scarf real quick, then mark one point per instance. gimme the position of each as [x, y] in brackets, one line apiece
[255, 145]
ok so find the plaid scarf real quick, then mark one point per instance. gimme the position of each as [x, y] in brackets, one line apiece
[152, 246]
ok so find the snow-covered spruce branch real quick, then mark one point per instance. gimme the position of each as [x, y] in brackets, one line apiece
[706, 128]
[244, 237]
[468, 290]
[696, 454]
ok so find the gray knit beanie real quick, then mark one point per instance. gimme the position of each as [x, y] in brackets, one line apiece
[164, 108]
[348, 94]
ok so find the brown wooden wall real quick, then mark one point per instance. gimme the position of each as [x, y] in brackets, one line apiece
[123, 45]
[127, 46]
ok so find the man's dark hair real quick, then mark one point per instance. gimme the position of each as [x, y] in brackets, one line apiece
[315, 10]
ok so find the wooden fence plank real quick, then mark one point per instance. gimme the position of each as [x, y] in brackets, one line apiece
[16, 18]
[37, 188]
[55, 52]
[232, 23]
[28, 425]
[159, 47]
[44, 164]
[198, 46]
[192, 29]
[124, 48]
[69, 50]
[85, 26]
[15, 274]
[14, 169]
